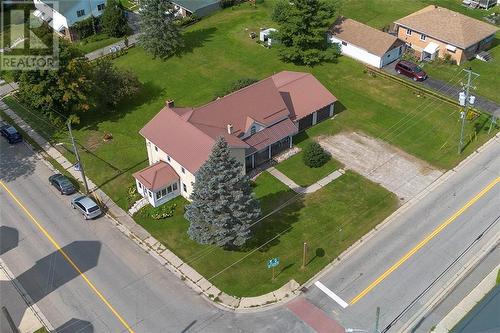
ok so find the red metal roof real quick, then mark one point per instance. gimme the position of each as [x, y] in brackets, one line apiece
[156, 176]
[272, 134]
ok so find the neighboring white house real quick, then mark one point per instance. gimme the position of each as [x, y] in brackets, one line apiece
[62, 14]
[364, 43]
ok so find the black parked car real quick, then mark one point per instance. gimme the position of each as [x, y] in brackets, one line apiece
[10, 133]
[62, 183]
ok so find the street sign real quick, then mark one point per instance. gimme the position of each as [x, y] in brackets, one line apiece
[273, 262]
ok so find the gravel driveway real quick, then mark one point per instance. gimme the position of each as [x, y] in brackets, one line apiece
[392, 168]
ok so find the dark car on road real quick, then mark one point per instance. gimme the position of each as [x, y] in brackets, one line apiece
[411, 70]
[10, 133]
[86, 206]
[62, 184]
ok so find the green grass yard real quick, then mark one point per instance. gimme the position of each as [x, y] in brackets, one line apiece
[422, 126]
[329, 220]
[295, 169]
[96, 42]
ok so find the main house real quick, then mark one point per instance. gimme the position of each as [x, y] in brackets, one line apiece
[62, 14]
[435, 31]
[258, 122]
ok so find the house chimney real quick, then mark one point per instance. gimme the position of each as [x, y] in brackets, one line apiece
[170, 103]
[229, 128]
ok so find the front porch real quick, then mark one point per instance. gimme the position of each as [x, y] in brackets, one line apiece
[157, 183]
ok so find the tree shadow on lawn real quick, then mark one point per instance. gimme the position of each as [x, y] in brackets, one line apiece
[265, 232]
[91, 119]
[195, 39]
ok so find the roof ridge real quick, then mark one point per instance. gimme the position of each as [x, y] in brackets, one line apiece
[304, 74]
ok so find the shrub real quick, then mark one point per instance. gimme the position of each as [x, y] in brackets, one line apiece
[315, 156]
[163, 211]
[132, 195]
[227, 3]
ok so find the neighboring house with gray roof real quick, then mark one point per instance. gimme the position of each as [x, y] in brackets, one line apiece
[258, 122]
[199, 8]
[364, 43]
[439, 32]
[62, 14]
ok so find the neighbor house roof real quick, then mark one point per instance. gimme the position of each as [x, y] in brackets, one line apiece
[194, 5]
[156, 176]
[448, 26]
[372, 40]
[188, 134]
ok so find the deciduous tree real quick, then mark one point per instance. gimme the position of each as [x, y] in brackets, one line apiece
[114, 22]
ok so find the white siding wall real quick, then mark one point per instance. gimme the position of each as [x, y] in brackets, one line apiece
[185, 177]
[357, 53]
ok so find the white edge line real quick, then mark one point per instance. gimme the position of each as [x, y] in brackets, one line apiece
[331, 294]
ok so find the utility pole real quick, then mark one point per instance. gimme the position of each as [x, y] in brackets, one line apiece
[465, 101]
[304, 256]
[78, 162]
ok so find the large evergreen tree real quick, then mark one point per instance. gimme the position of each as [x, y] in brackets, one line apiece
[160, 35]
[303, 25]
[223, 206]
[114, 22]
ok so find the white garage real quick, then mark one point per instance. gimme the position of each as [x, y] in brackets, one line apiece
[364, 43]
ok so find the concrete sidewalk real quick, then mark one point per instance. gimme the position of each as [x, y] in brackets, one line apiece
[309, 189]
[449, 90]
[132, 40]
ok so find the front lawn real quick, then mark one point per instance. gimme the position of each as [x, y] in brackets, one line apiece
[329, 220]
[295, 169]
[271, 192]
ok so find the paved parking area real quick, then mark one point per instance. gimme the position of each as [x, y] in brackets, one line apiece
[392, 168]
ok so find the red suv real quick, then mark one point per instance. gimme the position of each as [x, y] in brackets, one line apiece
[411, 70]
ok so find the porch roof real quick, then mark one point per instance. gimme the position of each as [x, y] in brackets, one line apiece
[270, 135]
[156, 176]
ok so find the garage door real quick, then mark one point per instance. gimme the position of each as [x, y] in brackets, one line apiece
[305, 122]
[323, 114]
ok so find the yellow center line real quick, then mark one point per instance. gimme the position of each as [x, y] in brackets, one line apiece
[68, 259]
[433, 234]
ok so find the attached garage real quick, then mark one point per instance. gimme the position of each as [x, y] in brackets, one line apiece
[364, 43]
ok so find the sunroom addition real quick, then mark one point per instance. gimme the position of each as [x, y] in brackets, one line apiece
[158, 183]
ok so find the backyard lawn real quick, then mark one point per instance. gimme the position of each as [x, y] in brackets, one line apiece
[295, 169]
[96, 42]
[329, 220]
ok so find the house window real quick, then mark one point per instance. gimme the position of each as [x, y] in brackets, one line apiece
[184, 187]
[156, 148]
[158, 195]
[183, 170]
[423, 37]
[253, 130]
[408, 32]
[150, 194]
[164, 192]
[100, 6]
[169, 189]
[168, 158]
[80, 12]
[344, 43]
[174, 187]
[140, 185]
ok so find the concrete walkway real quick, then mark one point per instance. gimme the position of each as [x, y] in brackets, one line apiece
[466, 305]
[126, 224]
[446, 89]
[305, 190]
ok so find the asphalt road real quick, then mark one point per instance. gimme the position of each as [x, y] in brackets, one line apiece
[373, 265]
[147, 296]
[124, 287]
